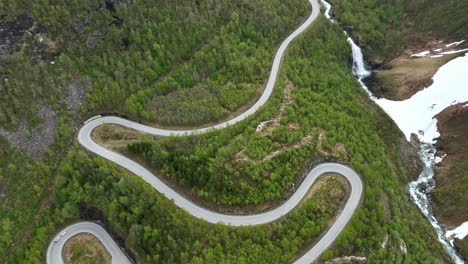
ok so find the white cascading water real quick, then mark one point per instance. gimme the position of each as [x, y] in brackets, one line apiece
[420, 188]
[359, 67]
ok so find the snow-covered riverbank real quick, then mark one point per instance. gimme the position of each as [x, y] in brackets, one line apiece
[416, 115]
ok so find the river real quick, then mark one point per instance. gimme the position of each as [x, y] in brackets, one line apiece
[416, 115]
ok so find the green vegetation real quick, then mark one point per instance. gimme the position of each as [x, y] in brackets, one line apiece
[443, 19]
[134, 55]
[375, 25]
[331, 102]
[384, 28]
[52, 43]
[85, 249]
[176, 62]
[27, 85]
[25, 193]
[159, 232]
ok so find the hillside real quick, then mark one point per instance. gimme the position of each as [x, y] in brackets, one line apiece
[391, 32]
[384, 29]
[186, 64]
[62, 62]
[158, 61]
[411, 41]
[234, 167]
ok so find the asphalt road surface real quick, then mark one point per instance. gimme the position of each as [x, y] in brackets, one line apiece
[54, 253]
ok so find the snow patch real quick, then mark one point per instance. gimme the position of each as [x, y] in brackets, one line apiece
[453, 51]
[454, 43]
[460, 232]
[453, 75]
[416, 115]
[421, 54]
[438, 160]
[439, 52]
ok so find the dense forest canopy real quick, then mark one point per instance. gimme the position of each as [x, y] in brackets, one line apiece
[143, 57]
[323, 103]
[384, 28]
[173, 62]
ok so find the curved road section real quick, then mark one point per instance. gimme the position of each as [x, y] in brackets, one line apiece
[54, 252]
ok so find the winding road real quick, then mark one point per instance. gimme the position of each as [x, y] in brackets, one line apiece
[54, 252]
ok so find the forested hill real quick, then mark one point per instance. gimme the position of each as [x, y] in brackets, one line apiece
[208, 57]
[62, 61]
[384, 28]
[174, 62]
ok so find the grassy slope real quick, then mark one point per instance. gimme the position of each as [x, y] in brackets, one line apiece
[327, 97]
[85, 249]
[388, 30]
[33, 81]
[462, 245]
[406, 76]
[128, 53]
[423, 21]
[450, 195]
[441, 19]
[385, 28]
[102, 185]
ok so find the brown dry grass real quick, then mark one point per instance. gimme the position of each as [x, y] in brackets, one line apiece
[85, 248]
[323, 181]
[451, 195]
[115, 137]
[408, 75]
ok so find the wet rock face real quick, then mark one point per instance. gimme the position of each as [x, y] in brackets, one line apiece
[23, 29]
[12, 33]
[410, 158]
[428, 186]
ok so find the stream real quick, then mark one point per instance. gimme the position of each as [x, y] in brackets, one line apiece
[415, 115]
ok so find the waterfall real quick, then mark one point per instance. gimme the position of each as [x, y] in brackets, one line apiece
[359, 67]
[420, 188]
